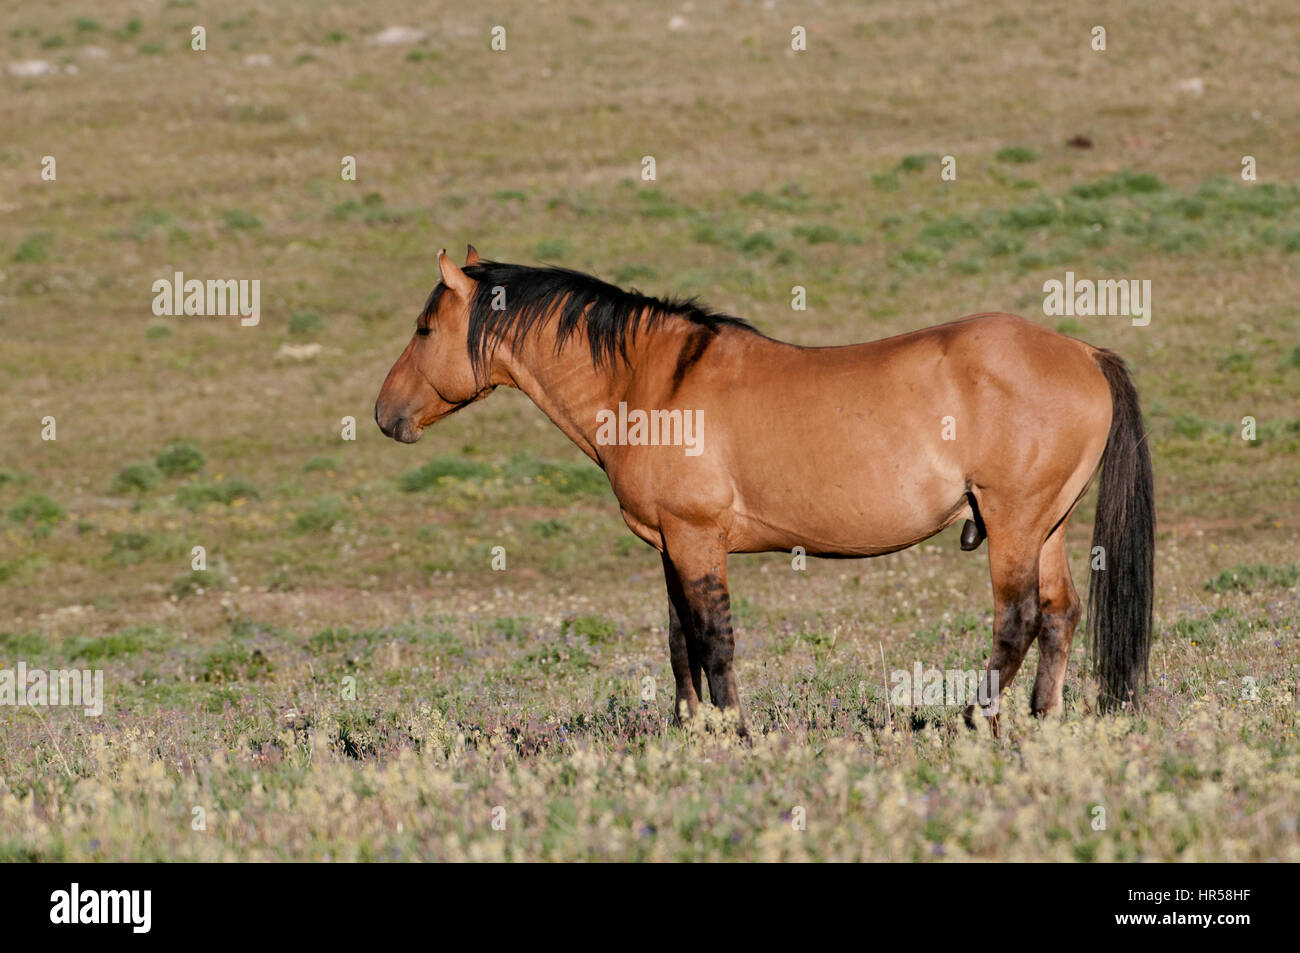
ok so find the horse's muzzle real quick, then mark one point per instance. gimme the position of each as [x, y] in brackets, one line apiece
[398, 428]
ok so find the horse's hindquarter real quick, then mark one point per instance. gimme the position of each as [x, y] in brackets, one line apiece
[870, 448]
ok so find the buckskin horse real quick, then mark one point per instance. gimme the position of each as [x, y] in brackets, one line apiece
[847, 451]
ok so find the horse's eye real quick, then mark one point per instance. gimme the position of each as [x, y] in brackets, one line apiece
[423, 332]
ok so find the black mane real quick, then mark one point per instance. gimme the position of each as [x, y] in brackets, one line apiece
[610, 316]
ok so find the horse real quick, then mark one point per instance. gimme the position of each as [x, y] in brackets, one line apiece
[848, 451]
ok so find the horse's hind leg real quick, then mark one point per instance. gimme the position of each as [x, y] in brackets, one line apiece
[1013, 565]
[1061, 609]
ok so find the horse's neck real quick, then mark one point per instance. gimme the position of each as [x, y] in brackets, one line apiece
[565, 386]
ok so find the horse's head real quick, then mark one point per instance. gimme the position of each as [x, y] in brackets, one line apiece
[433, 377]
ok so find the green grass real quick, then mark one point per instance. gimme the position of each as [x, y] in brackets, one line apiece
[305, 322]
[1254, 578]
[320, 517]
[200, 492]
[136, 478]
[434, 473]
[241, 219]
[180, 459]
[31, 250]
[1016, 155]
[37, 509]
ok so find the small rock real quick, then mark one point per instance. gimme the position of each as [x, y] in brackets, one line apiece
[678, 22]
[1194, 86]
[397, 36]
[298, 352]
[257, 59]
[93, 53]
[32, 68]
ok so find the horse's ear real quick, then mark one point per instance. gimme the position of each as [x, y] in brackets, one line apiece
[453, 277]
[471, 256]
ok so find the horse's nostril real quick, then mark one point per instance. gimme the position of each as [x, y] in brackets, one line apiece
[394, 427]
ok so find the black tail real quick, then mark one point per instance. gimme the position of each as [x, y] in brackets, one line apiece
[1120, 596]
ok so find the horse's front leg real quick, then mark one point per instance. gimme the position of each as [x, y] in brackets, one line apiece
[683, 650]
[698, 560]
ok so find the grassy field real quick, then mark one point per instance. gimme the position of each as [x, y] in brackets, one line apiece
[349, 679]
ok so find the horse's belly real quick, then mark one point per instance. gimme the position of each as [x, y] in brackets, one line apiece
[862, 517]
